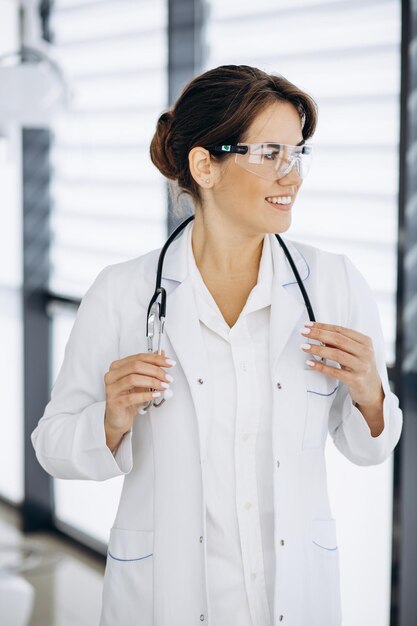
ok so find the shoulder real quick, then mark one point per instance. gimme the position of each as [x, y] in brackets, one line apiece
[319, 259]
[330, 266]
[134, 267]
[332, 279]
[117, 278]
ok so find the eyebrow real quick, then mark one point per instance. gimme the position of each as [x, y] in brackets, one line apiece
[300, 143]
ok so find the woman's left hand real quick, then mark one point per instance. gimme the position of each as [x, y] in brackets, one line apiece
[355, 353]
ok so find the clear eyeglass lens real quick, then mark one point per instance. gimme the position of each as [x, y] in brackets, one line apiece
[273, 161]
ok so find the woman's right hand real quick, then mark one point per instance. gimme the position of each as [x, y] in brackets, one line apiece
[127, 387]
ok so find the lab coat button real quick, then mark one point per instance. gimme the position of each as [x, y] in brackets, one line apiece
[202, 617]
[248, 505]
[281, 617]
[244, 436]
[279, 385]
[278, 463]
[201, 539]
[253, 575]
[200, 380]
[282, 542]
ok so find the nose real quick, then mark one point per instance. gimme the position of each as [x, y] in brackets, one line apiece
[293, 176]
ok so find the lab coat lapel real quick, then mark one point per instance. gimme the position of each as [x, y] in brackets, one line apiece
[182, 328]
[287, 302]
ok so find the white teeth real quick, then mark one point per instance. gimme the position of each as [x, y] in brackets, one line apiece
[280, 200]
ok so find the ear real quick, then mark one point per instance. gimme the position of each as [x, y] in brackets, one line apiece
[201, 166]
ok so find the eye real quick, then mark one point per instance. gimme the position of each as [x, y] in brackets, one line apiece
[270, 156]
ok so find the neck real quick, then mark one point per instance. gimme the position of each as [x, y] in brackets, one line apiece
[224, 251]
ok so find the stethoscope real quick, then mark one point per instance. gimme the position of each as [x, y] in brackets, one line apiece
[159, 308]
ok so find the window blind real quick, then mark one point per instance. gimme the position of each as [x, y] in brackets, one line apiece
[108, 199]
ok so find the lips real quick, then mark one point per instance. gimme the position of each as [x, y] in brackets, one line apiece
[280, 206]
[274, 199]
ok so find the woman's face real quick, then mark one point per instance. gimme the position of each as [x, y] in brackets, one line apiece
[239, 196]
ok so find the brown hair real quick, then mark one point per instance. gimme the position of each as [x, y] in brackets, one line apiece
[217, 107]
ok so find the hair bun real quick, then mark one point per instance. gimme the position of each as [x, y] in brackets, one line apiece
[161, 148]
[167, 116]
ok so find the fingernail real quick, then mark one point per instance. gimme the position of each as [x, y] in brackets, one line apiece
[170, 361]
[308, 323]
[306, 346]
[165, 385]
[310, 362]
[156, 394]
[305, 331]
[169, 377]
[168, 394]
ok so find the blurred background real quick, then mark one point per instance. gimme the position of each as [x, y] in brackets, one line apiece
[82, 84]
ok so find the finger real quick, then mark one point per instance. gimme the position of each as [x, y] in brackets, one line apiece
[138, 398]
[334, 354]
[342, 330]
[336, 339]
[330, 370]
[146, 357]
[136, 366]
[131, 381]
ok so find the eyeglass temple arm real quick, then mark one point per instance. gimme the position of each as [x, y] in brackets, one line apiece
[229, 149]
[305, 149]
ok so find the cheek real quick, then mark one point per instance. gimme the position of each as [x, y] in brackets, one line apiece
[240, 186]
[243, 191]
[252, 188]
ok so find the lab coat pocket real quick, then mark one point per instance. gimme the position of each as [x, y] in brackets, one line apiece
[320, 390]
[128, 578]
[324, 535]
[325, 573]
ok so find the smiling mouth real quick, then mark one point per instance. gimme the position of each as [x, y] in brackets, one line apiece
[280, 200]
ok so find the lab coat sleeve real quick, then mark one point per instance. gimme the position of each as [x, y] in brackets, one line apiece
[347, 426]
[69, 440]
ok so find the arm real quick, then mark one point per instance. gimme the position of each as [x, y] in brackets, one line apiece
[365, 435]
[374, 414]
[70, 440]
[113, 437]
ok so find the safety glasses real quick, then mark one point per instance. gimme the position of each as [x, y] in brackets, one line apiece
[269, 160]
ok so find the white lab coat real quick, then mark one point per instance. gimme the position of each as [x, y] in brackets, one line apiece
[156, 570]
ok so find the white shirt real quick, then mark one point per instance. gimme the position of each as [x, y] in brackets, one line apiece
[239, 466]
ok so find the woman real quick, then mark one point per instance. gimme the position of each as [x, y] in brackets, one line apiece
[224, 516]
